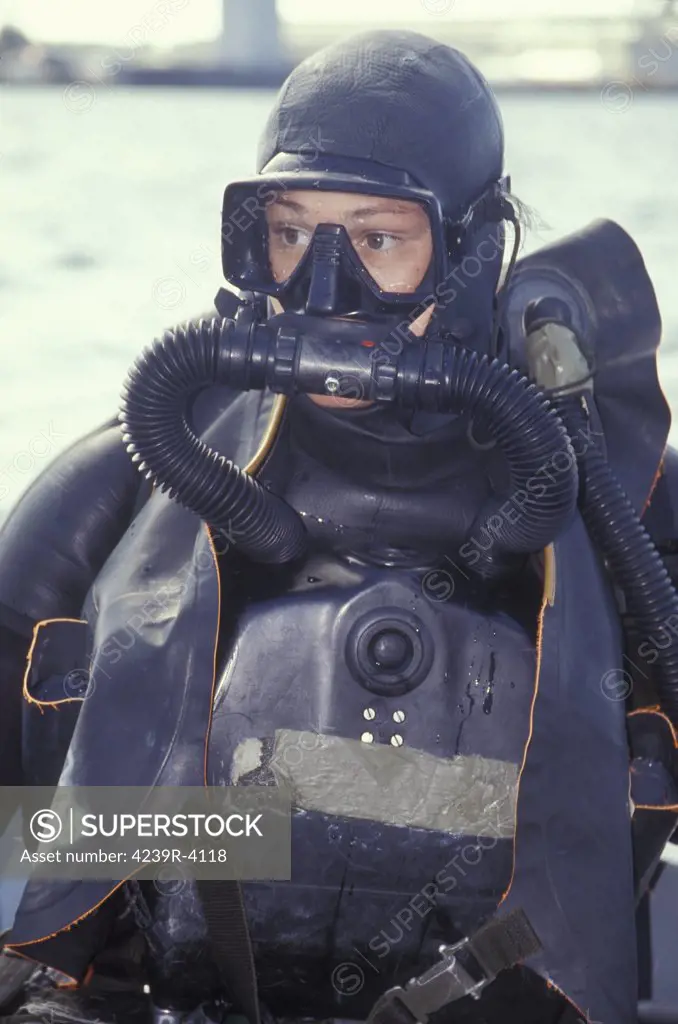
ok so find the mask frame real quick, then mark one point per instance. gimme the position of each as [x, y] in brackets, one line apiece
[244, 235]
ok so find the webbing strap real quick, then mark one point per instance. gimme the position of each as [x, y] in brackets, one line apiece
[465, 969]
[229, 936]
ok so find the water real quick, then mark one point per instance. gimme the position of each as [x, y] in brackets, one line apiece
[110, 228]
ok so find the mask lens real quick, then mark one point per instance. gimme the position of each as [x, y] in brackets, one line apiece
[289, 230]
[391, 238]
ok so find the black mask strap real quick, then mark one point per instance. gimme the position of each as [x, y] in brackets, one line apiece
[500, 304]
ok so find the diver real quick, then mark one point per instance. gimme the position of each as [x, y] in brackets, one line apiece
[388, 517]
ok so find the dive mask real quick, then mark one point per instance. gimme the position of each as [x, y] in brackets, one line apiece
[330, 278]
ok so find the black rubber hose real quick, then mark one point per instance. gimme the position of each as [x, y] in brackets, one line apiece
[634, 562]
[542, 465]
[541, 494]
[158, 436]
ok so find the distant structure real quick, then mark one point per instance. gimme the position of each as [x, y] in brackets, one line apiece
[27, 63]
[250, 35]
[653, 57]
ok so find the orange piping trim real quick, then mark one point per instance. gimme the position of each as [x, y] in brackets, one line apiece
[657, 476]
[655, 710]
[656, 807]
[29, 658]
[583, 1013]
[15, 947]
[548, 596]
[274, 421]
[216, 644]
[550, 581]
[252, 467]
[32, 960]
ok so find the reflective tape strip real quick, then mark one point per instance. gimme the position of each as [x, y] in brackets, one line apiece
[670, 855]
[468, 795]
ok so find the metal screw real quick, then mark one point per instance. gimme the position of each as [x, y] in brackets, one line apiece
[398, 716]
[331, 383]
[367, 737]
[369, 714]
[396, 740]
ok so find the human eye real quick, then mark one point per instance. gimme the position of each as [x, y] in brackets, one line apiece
[380, 241]
[291, 236]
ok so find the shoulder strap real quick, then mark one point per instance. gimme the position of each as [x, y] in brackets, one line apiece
[229, 938]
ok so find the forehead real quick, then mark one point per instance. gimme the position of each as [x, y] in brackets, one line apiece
[344, 205]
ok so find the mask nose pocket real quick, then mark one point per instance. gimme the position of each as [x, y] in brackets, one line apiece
[56, 683]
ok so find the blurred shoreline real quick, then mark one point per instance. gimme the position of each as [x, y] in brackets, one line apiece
[237, 81]
[220, 78]
[566, 55]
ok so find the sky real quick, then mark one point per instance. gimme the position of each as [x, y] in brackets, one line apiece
[191, 20]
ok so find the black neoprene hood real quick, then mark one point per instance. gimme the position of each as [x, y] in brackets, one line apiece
[383, 113]
[397, 99]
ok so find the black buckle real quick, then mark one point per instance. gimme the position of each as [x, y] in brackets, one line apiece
[445, 982]
[498, 945]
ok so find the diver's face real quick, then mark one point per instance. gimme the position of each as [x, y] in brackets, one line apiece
[392, 237]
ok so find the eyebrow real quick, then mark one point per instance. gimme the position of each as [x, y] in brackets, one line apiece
[363, 211]
[374, 211]
[297, 207]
